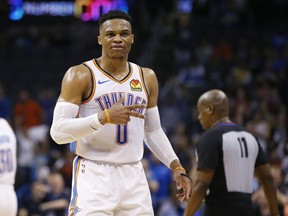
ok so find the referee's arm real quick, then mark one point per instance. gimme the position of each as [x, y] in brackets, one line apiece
[200, 185]
[265, 177]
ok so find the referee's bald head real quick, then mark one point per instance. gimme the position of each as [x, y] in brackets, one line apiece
[218, 100]
[213, 107]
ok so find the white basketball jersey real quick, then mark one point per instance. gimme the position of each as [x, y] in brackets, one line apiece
[7, 154]
[113, 143]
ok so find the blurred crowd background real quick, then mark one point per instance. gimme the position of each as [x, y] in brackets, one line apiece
[239, 46]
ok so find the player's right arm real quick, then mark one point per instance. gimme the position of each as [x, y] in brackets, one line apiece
[264, 175]
[76, 85]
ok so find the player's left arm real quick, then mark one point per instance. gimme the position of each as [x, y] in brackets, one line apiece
[156, 139]
[201, 183]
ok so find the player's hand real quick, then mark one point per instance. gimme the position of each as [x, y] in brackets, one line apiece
[120, 114]
[183, 185]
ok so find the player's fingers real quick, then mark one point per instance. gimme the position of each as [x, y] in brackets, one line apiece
[120, 101]
[136, 106]
[137, 115]
[181, 197]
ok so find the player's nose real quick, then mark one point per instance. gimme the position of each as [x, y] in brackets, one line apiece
[117, 38]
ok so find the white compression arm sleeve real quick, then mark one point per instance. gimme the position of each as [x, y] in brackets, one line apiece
[156, 139]
[67, 128]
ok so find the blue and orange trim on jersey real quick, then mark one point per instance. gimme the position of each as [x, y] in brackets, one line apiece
[130, 72]
[144, 83]
[93, 82]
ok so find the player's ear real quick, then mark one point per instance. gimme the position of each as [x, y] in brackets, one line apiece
[99, 40]
[132, 38]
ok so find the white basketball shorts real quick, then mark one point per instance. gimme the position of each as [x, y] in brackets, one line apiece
[106, 189]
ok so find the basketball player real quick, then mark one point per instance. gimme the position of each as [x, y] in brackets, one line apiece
[8, 199]
[227, 158]
[106, 108]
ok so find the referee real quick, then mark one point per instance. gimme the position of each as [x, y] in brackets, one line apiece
[228, 157]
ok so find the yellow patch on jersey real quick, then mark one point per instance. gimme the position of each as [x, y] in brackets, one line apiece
[135, 85]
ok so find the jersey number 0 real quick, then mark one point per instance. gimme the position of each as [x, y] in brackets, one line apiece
[121, 134]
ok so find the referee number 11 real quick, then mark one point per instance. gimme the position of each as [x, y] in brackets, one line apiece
[243, 147]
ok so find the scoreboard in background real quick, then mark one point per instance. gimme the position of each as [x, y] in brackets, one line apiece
[86, 10]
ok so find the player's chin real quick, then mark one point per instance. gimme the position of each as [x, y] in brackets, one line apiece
[118, 56]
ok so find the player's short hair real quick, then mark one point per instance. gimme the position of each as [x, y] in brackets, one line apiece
[114, 14]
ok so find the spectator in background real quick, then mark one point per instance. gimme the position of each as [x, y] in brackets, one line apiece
[47, 198]
[32, 199]
[29, 142]
[164, 177]
[261, 129]
[47, 100]
[27, 112]
[223, 50]
[204, 50]
[241, 106]
[57, 198]
[63, 164]
[192, 76]
[171, 205]
[260, 201]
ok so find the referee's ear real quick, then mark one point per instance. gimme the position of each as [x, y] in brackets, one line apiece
[211, 109]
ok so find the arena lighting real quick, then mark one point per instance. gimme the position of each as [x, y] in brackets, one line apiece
[86, 10]
[185, 6]
[49, 8]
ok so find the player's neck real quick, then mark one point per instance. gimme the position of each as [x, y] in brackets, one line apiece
[114, 66]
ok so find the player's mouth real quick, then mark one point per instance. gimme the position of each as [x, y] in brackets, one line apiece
[117, 47]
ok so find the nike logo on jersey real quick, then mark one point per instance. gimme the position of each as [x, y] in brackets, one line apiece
[101, 82]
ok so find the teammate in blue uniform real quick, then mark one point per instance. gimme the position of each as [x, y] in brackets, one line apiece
[228, 156]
